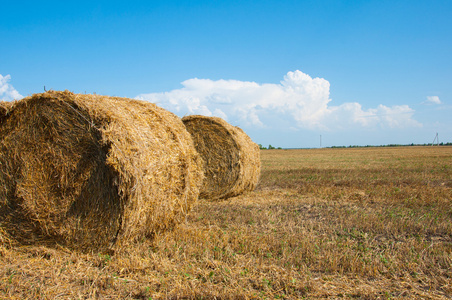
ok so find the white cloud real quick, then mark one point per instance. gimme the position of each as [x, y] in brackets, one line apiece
[433, 100]
[298, 101]
[7, 91]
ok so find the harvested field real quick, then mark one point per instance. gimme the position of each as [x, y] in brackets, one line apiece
[93, 172]
[231, 159]
[369, 223]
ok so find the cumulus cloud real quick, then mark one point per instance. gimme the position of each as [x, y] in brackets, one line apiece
[298, 102]
[7, 91]
[433, 100]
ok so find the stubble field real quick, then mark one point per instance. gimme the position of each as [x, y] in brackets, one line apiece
[360, 223]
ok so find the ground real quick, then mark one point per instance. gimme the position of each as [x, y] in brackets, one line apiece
[361, 223]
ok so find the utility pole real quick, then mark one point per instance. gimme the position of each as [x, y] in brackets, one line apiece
[436, 139]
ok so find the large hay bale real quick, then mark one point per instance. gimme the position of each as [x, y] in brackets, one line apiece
[231, 159]
[94, 172]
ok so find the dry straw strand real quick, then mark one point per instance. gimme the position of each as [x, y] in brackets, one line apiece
[94, 172]
[231, 160]
[5, 108]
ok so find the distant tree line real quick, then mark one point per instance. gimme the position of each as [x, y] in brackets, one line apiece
[270, 147]
[394, 145]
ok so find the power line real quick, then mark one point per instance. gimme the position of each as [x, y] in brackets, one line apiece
[437, 140]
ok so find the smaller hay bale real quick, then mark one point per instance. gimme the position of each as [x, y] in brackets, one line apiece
[231, 160]
[94, 172]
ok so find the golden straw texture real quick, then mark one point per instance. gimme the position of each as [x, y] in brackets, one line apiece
[5, 107]
[94, 172]
[231, 159]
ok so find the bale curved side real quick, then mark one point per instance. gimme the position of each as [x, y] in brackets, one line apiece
[93, 171]
[231, 160]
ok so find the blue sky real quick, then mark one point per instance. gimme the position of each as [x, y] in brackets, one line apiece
[354, 72]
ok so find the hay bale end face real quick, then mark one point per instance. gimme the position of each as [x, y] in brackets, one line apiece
[231, 159]
[93, 171]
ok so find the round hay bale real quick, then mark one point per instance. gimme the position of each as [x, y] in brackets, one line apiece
[94, 172]
[231, 160]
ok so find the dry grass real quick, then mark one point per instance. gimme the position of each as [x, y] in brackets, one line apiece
[4, 109]
[231, 160]
[371, 223]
